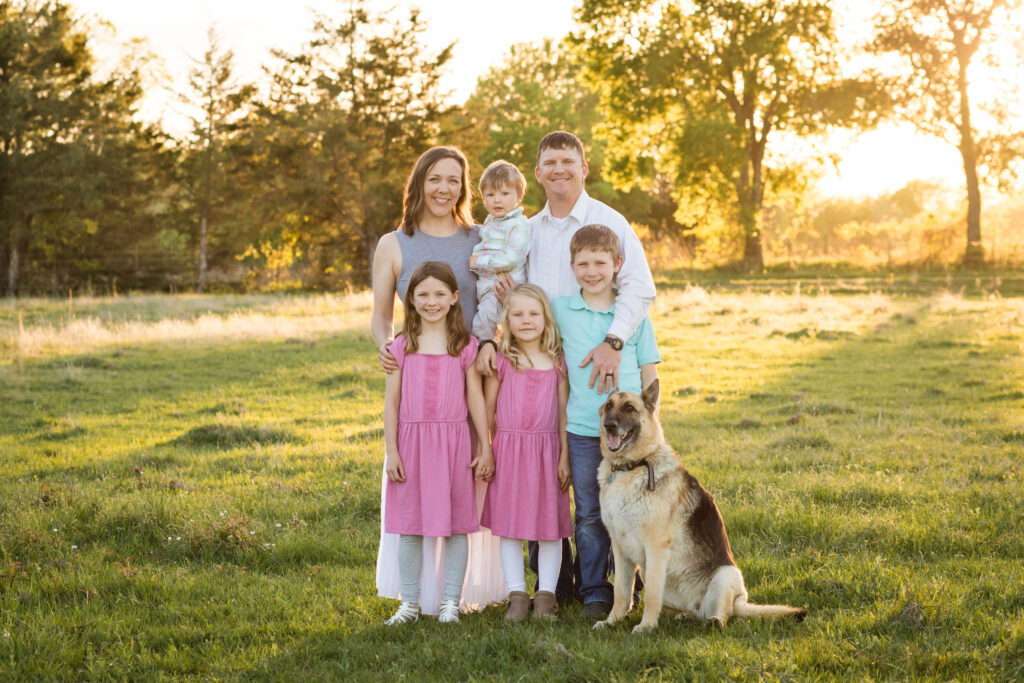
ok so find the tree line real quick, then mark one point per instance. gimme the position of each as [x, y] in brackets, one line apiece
[689, 111]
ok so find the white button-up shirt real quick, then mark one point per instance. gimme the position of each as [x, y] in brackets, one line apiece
[550, 265]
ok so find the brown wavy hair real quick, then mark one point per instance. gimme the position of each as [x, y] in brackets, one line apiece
[550, 339]
[454, 322]
[414, 203]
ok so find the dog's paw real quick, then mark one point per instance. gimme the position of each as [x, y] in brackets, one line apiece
[716, 623]
[598, 625]
[644, 628]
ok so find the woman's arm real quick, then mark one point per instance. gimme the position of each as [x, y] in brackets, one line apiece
[564, 469]
[483, 463]
[392, 400]
[387, 263]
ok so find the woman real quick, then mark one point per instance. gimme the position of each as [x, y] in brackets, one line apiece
[436, 226]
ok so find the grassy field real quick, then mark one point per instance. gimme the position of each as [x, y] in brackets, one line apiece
[190, 489]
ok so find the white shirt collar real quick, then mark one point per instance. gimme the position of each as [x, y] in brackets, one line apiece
[579, 209]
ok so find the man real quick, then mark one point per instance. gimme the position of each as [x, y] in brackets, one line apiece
[561, 170]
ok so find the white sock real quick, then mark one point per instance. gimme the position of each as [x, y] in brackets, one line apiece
[512, 564]
[549, 562]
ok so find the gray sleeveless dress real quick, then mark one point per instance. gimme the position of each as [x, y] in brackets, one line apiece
[454, 250]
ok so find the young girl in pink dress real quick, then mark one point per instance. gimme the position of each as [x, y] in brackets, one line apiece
[528, 498]
[429, 464]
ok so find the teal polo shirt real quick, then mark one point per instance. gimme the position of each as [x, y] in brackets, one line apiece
[582, 329]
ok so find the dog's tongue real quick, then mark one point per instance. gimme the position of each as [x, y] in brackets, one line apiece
[614, 440]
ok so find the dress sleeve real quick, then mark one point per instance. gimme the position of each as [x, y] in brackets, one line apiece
[468, 355]
[397, 349]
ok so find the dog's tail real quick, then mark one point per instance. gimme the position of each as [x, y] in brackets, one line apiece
[742, 608]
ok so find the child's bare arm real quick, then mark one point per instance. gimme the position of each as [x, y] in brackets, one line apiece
[392, 400]
[648, 373]
[491, 386]
[564, 469]
[483, 463]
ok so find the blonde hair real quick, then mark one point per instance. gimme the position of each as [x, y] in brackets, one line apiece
[502, 173]
[550, 339]
[455, 323]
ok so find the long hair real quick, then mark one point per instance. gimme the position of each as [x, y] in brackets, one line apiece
[414, 203]
[550, 339]
[454, 322]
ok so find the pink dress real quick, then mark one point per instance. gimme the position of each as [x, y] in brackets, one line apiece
[437, 497]
[524, 500]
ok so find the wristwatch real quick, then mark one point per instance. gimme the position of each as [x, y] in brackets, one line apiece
[613, 342]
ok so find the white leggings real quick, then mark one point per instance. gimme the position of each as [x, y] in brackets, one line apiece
[549, 561]
[410, 564]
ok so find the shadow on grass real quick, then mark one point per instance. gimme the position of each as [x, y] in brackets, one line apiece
[227, 436]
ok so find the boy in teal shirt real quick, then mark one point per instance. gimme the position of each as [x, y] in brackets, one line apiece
[584, 319]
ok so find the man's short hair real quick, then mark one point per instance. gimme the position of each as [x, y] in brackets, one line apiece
[595, 237]
[503, 174]
[560, 140]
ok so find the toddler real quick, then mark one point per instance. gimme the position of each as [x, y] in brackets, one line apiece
[504, 241]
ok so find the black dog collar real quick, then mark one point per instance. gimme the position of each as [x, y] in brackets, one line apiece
[633, 466]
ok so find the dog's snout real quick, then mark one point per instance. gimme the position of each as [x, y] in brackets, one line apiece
[611, 425]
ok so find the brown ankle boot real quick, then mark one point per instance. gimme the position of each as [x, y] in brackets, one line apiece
[545, 604]
[518, 606]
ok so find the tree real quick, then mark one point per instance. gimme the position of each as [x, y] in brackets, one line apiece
[699, 87]
[538, 89]
[71, 157]
[220, 101]
[939, 41]
[343, 123]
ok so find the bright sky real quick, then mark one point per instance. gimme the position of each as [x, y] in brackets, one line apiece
[874, 162]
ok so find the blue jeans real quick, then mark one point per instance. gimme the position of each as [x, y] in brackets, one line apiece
[593, 547]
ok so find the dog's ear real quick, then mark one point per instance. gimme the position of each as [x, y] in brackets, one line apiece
[650, 395]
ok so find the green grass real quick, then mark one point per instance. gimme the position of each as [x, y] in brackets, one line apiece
[207, 505]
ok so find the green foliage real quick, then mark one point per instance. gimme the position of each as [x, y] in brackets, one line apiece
[330, 146]
[539, 89]
[696, 89]
[872, 476]
[213, 201]
[75, 169]
[535, 91]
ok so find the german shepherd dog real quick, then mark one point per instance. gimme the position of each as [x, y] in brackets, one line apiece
[663, 521]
